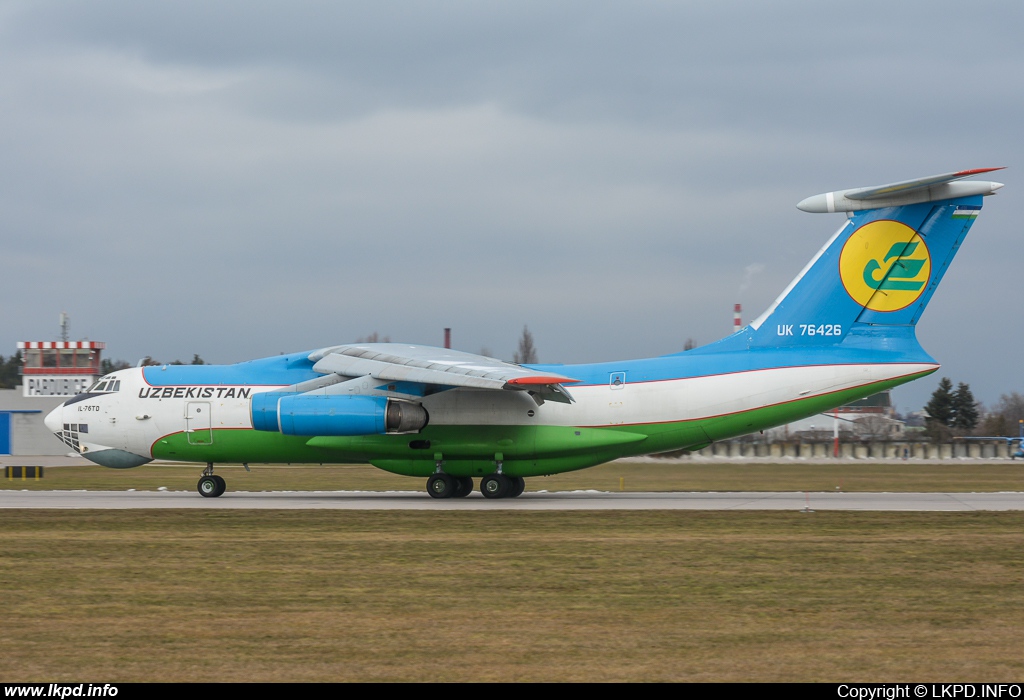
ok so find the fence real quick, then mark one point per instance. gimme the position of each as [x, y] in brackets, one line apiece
[996, 449]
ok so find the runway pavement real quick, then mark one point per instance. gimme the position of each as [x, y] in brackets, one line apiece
[568, 500]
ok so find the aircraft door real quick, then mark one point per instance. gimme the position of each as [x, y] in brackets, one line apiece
[616, 404]
[198, 423]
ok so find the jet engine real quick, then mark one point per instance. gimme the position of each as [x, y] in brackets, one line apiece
[320, 414]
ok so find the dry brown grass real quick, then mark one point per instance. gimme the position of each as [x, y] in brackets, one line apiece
[956, 476]
[614, 596]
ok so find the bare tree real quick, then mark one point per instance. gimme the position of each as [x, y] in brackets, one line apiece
[1005, 418]
[374, 338]
[527, 353]
[875, 428]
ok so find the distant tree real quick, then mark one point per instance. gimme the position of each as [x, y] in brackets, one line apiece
[965, 410]
[9, 371]
[374, 338]
[940, 407]
[486, 352]
[940, 411]
[527, 353]
[196, 360]
[1005, 417]
[874, 428]
[108, 366]
[689, 344]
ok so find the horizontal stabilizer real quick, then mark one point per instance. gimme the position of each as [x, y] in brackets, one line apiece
[926, 189]
[873, 279]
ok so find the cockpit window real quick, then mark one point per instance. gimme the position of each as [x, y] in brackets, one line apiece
[105, 386]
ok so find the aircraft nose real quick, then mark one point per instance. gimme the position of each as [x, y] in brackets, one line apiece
[55, 419]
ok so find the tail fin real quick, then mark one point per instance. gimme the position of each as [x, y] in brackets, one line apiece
[880, 269]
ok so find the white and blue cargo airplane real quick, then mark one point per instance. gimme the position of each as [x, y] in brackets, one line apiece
[842, 330]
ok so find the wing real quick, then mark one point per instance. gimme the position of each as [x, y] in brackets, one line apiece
[416, 369]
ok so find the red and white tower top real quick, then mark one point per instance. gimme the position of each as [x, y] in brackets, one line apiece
[59, 367]
[61, 356]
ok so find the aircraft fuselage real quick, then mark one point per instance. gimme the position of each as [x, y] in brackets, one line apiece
[203, 414]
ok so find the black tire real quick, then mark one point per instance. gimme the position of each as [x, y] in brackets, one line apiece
[209, 487]
[517, 485]
[222, 485]
[465, 486]
[441, 486]
[495, 486]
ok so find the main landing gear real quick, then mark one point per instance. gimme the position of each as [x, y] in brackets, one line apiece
[443, 485]
[210, 485]
[497, 485]
[501, 486]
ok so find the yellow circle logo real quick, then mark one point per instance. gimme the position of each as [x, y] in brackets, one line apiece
[885, 266]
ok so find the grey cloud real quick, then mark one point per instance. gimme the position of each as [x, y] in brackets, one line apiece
[240, 179]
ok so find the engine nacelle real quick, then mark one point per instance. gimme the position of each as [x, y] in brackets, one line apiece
[320, 414]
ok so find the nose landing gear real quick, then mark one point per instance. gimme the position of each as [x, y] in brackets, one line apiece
[210, 485]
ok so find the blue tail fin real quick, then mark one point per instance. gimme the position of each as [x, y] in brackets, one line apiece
[880, 269]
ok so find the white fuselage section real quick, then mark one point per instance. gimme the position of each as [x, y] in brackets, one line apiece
[138, 414]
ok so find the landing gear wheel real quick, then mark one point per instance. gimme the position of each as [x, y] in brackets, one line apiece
[221, 485]
[465, 486]
[210, 486]
[517, 485]
[442, 486]
[495, 486]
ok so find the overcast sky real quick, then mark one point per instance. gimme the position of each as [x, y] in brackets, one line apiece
[239, 179]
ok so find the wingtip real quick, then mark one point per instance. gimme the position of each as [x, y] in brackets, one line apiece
[978, 171]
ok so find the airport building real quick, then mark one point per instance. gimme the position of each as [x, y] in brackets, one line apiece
[873, 418]
[51, 372]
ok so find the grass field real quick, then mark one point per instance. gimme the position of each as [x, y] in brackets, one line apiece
[632, 476]
[101, 596]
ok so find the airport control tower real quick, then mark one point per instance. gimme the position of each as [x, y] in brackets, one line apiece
[59, 367]
[51, 372]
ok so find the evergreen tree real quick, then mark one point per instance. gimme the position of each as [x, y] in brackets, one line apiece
[940, 408]
[940, 412]
[965, 409]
